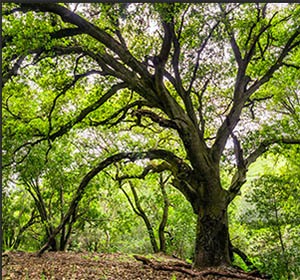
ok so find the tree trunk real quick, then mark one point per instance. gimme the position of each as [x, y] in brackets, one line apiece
[164, 219]
[212, 237]
[52, 243]
[137, 208]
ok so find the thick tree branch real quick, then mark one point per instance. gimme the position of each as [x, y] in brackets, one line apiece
[167, 42]
[155, 118]
[12, 11]
[148, 169]
[264, 146]
[238, 152]
[226, 129]
[200, 108]
[108, 64]
[66, 32]
[161, 60]
[92, 30]
[175, 62]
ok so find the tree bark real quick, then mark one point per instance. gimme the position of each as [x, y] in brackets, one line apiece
[212, 246]
[212, 240]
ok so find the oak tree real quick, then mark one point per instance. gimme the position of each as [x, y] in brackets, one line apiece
[204, 79]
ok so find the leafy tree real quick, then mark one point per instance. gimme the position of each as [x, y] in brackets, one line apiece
[181, 87]
[17, 218]
[271, 220]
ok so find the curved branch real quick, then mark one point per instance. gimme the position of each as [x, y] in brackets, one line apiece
[264, 146]
[167, 42]
[149, 168]
[239, 177]
[66, 32]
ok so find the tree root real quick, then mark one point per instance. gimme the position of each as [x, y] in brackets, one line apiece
[244, 257]
[187, 269]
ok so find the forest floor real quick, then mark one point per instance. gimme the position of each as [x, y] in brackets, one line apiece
[96, 266]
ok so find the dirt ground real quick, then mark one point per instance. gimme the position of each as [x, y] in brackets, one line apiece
[83, 266]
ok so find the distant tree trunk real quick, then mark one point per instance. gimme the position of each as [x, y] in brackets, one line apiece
[162, 225]
[66, 232]
[52, 242]
[137, 208]
[33, 188]
[64, 238]
[62, 243]
[283, 253]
